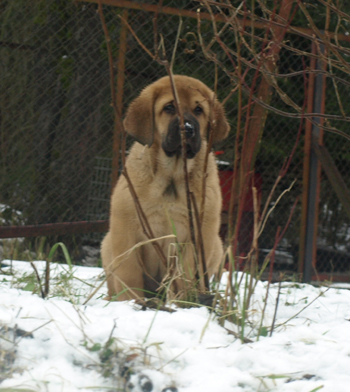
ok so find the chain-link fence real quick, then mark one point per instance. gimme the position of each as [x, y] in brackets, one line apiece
[57, 124]
[333, 251]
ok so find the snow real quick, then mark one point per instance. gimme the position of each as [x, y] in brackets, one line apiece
[185, 351]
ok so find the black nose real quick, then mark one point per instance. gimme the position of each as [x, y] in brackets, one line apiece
[189, 129]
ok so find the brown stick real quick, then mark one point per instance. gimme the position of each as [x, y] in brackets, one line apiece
[272, 261]
[276, 307]
[38, 279]
[143, 219]
[47, 278]
[155, 28]
[200, 242]
[205, 174]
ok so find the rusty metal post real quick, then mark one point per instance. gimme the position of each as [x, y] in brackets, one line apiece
[119, 97]
[306, 163]
[312, 174]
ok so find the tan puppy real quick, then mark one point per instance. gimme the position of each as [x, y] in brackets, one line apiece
[155, 167]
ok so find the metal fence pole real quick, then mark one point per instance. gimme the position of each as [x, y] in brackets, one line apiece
[314, 177]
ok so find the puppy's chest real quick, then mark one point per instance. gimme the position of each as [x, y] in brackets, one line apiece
[172, 191]
[170, 195]
[169, 210]
[170, 181]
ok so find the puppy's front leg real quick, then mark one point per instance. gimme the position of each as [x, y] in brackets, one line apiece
[123, 270]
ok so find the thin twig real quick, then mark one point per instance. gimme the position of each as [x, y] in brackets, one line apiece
[38, 279]
[47, 278]
[31, 332]
[272, 262]
[297, 314]
[154, 303]
[155, 28]
[276, 306]
[175, 45]
[253, 254]
[262, 226]
[137, 38]
[238, 336]
[200, 242]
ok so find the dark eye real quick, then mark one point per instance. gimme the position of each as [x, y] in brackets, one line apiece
[170, 108]
[198, 110]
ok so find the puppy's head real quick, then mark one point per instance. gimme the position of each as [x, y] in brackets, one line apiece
[152, 116]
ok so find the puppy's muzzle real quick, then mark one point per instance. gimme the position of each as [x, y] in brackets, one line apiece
[172, 144]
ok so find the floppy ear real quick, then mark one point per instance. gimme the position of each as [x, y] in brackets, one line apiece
[219, 124]
[138, 121]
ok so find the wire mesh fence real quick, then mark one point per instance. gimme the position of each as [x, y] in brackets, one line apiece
[57, 125]
[333, 228]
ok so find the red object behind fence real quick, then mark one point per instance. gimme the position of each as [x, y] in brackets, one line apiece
[226, 177]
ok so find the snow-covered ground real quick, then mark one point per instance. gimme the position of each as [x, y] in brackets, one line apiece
[60, 344]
